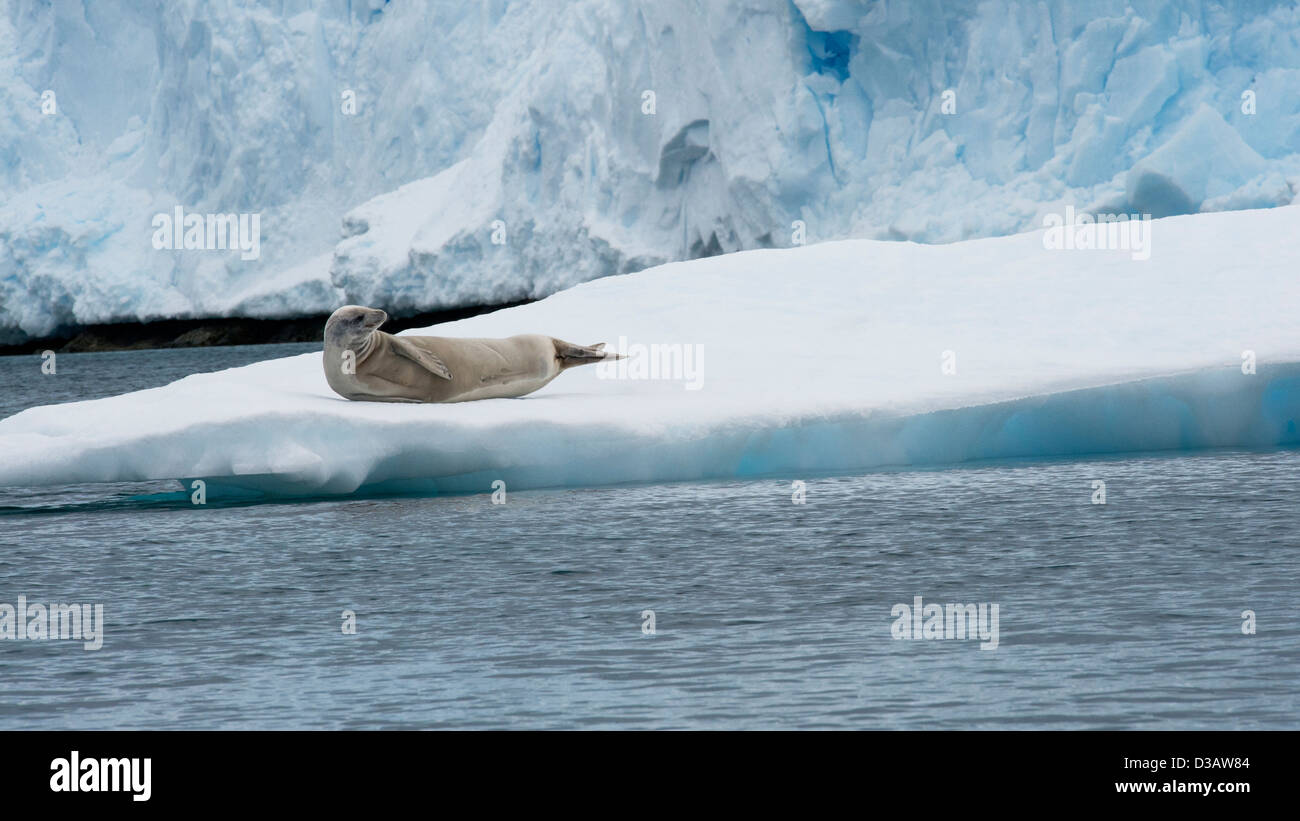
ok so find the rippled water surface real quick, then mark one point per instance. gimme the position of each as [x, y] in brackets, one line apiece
[767, 613]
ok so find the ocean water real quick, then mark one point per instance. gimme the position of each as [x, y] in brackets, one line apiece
[767, 614]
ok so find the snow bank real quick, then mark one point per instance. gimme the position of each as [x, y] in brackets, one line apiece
[825, 358]
[534, 114]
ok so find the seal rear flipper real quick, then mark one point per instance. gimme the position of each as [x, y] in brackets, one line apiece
[419, 356]
[571, 355]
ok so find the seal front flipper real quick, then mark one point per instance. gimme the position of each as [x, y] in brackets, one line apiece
[419, 356]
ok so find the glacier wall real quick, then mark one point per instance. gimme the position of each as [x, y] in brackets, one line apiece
[501, 150]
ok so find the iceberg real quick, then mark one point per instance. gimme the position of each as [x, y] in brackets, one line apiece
[835, 357]
[444, 155]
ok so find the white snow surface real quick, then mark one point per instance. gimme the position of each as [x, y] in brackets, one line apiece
[818, 359]
[531, 112]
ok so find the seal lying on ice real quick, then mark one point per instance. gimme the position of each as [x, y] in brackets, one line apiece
[364, 363]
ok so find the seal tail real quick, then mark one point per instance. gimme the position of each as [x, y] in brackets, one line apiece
[571, 356]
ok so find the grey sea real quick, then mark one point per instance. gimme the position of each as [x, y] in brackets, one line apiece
[709, 605]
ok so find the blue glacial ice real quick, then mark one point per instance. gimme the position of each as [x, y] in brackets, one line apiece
[535, 115]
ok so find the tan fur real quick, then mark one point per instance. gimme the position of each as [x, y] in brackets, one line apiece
[440, 369]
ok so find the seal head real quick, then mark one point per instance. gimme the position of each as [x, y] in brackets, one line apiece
[350, 327]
